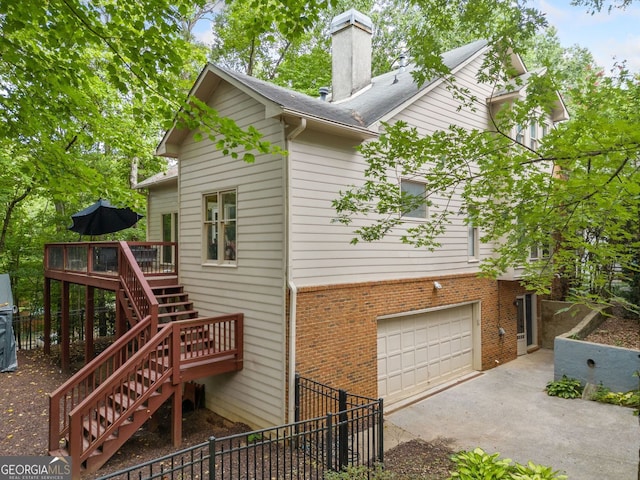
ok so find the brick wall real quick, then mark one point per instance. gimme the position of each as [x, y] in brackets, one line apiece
[336, 325]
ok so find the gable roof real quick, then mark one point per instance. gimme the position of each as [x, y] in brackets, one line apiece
[358, 113]
[170, 175]
[517, 88]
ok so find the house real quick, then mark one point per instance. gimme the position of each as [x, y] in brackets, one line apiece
[383, 319]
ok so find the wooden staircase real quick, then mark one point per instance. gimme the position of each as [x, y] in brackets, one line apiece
[98, 409]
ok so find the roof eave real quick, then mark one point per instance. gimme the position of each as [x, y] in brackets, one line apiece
[363, 133]
[423, 91]
[207, 81]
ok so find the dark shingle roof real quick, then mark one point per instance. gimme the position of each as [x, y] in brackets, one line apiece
[387, 92]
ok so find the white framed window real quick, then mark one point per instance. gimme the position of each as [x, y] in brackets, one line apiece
[533, 136]
[539, 252]
[520, 134]
[417, 190]
[169, 234]
[473, 242]
[219, 232]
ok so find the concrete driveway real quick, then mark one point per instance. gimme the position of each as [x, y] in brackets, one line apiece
[506, 410]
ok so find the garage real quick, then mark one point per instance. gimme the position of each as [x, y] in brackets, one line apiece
[419, 351]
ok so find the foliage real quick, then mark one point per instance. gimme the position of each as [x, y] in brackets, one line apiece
[575, 196]
[625, 399]
[565, 388]
[478, 464]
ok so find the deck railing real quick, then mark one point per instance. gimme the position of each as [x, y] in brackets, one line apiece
[77, 388]
[102, 258]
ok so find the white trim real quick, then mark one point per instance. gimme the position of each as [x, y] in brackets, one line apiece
[426, 310]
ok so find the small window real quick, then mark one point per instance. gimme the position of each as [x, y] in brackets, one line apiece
[533, 136]
[220, 227]
[473, 242]
[417, 193]
[545, 130]
[169, 234]
[519, 134]
[539, 252]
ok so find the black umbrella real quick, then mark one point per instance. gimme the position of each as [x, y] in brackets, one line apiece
[102, 217]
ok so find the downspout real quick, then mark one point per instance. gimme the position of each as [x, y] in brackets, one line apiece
[293, 289]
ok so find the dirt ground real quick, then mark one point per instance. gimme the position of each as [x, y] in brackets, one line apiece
[24, 425]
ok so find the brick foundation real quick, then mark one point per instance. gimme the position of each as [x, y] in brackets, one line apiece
[336, 325]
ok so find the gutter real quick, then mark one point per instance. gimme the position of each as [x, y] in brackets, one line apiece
[290, 282]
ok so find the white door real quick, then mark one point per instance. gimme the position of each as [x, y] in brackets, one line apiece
[418, 352]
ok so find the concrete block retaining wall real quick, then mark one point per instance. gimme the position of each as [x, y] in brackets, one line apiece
[594, 363]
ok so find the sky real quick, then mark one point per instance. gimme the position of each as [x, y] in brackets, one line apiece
[606, 35]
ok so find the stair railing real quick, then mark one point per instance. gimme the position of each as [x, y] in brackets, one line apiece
[159, 362]
[154, 361]
[88, 378]
[136, 287]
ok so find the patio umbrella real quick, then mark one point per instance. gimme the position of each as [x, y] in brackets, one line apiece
[102, 217]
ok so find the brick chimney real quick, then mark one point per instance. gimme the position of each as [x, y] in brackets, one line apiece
[351, 53]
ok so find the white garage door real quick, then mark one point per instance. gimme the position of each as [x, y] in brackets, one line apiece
[418, 352]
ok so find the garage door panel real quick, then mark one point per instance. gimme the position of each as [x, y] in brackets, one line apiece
[420, 351]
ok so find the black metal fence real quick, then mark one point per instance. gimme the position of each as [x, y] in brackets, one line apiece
[304, 449]
[29, 328]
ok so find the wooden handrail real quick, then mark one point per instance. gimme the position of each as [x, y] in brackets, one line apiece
[79, 386]
[136, 287]
[164, 356]
[150, 358]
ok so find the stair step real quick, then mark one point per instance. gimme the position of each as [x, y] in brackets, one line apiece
[141, 389]
[179, 315]
[166, 289]
[95, 430]
[123, 402]
[161, 296]
[177, 304]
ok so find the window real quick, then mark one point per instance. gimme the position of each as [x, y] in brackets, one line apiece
[220, 227]
[416, 192]
[519, 134]
[539, 252]
[545, 130]
[533, 136]
[169, 234]
[473, 242]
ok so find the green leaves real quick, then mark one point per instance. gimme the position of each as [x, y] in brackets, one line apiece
[477, 464]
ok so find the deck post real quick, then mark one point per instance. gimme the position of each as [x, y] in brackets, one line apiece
[176, 415]
[47, 316]
[65, 329]
[89, 324]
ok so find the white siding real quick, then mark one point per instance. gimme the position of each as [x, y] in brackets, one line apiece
[322, 166]
[255, 286]
[160, 200]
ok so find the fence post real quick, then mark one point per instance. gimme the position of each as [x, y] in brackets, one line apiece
[380, 431]
[296, 410]
[212, 458]
[329, 442]
[343, 430]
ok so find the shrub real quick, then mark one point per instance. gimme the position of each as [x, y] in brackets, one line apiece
[565, 388]
[625, 399]
[480, 465]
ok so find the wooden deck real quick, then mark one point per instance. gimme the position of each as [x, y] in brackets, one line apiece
[161, 343]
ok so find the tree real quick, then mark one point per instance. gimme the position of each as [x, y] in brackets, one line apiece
[576, 197]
